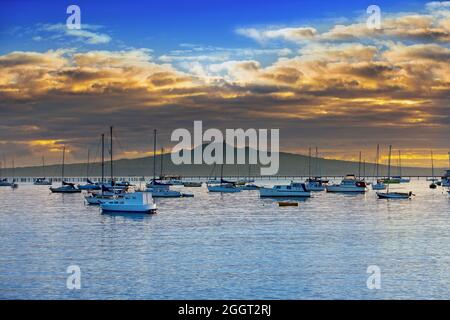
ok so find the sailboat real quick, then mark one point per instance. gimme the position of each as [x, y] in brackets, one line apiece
[393, 195]
[4, 181]
[224, 186]
[107, 191]
[314, 184]
[399, 178]
[42, 181]
[66, 187]
[160, 189]
[89, 184]
[249, 182]
[379, 185]
[433, 184]
[14, 185]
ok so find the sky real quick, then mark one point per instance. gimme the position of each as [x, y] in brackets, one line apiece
[313, 69]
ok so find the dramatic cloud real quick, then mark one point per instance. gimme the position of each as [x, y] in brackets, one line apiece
[87, 34]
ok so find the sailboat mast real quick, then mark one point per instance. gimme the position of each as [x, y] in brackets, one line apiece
[154, 154]
[389, 162]
[87, 167]
[103, 157]
[63, 160]
[359, 166]
[316, 173]
[377, 159]
[309, 162]
[111, 155]
[43, 167]
[389, 167]
[400, 163]
[432, 165]
[161, 161]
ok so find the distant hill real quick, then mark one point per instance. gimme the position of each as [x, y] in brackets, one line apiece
[290, 165]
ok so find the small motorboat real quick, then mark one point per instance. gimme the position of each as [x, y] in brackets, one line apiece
[349, 185]
[42, 182]
[294, 189]
[136, 202]
[394, 195]
[66, 187]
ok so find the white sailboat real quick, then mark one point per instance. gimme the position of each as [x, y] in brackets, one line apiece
[161, 189]
[65, 187]
[393, 195]
[136, 202]
[107, 191]
[379, 185]
[223, 186]
[4, 181]
[293, 190]
[89, 184]
[314, 184]
[400, 178]
[14, 185]
[42, 181]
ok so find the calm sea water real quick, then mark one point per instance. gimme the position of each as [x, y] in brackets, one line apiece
[230, 246]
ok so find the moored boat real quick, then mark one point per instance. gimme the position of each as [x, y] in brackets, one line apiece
[348, 185]
[66, 187]
[294, 189]
[42, 182]
[393, 195]
[314, 184]
[136, 202]
[223, 188]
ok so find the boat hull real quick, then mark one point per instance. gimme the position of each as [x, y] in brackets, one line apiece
[223, 189]
[272, 193]
[393, 195]
[62, 190]
[89, 187]
[128, 208]
[344, 189]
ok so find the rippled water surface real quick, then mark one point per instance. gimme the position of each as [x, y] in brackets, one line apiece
[230, 246]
